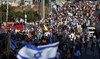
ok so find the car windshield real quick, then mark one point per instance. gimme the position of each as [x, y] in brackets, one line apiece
[91, 29]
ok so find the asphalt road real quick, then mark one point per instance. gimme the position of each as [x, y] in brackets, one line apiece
[88, 54]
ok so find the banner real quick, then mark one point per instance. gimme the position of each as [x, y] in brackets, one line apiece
[18, 27]
[9, 25]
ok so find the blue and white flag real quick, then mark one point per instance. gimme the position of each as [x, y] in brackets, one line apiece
[41, 20]
[51, 12]
[21, 20]
[39, 52]
[14, 32]
[13, 45]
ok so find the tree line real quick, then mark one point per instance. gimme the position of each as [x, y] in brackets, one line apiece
[12, 14]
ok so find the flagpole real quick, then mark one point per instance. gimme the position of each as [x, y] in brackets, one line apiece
[7, 12]
[8, 43]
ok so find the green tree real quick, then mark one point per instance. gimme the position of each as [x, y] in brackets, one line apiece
[19, 15]
[3, 12]
[32, 16]
[11, 12]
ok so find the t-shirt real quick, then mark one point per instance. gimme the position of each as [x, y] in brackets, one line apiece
[47, 33]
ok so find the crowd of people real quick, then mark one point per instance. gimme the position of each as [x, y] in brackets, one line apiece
[67, 25]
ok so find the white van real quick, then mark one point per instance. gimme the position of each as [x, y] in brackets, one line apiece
[90, 31]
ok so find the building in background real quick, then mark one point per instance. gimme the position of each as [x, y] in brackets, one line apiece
[14, 3]
[28, 2]
[60, 1]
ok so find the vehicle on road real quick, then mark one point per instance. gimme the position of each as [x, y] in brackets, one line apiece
[90, 31]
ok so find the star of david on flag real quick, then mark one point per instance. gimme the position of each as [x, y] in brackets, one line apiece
[37, 55]
[39, 52]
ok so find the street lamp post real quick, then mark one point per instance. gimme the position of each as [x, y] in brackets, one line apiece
[43, 9]
[50, 4]
[39, 6]
[25, 15]
[7, 12]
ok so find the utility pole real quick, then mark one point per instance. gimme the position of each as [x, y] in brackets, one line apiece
[43, 9]
[39, 3]
[7, 12]
[50, 5]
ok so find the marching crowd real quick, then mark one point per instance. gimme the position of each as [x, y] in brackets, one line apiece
[67, 25]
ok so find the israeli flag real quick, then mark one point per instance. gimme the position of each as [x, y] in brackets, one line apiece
[21, 20]
[39, 52]
[13, 45]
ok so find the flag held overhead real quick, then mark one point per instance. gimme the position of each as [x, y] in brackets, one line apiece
[40, 52]
[45, 28]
